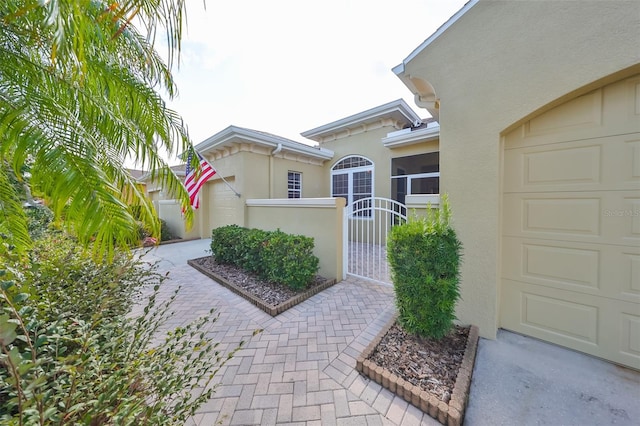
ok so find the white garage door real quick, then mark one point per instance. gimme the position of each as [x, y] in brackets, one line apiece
[571, 225]
[221, 203]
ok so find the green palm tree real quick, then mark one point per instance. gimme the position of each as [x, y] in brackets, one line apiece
[80, 92]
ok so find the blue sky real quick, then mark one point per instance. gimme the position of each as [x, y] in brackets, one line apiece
[286, 66]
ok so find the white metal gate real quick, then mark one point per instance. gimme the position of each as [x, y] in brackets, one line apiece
[369, 220]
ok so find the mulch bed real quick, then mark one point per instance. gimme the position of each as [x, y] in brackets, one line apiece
[430, 364]
[272, 298]
[435, 376]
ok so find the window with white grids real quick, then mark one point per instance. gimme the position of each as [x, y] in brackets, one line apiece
[294, 184]
[352, 178]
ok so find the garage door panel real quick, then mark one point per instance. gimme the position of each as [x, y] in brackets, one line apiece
[598, 326]
[611, 163]
[554, 315]
[610, 271]
[633, 268]
[612, 110]
[611, 217]
[630, 335]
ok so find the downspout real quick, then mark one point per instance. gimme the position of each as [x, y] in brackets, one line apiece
[272, 171]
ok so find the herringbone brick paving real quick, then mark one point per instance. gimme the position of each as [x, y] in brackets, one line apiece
[300, 370]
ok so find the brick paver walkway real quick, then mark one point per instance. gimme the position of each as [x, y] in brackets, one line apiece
[300, 370]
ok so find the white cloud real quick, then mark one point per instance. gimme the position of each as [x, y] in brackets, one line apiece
[286, 66]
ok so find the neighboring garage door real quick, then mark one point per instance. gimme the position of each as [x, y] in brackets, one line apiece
[221, 203]
[571, 225]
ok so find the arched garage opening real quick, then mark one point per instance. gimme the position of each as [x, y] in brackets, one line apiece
[570, 227]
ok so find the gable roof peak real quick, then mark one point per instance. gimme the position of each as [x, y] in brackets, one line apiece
[397, 112]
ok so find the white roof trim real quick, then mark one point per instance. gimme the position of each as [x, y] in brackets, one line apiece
[295, 202]
[398, 105]
[399, 69]
[264, 139]
[415, 136]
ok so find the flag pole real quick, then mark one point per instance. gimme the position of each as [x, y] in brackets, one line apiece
[220, 175]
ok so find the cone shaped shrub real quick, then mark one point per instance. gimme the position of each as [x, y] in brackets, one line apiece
[424, 255]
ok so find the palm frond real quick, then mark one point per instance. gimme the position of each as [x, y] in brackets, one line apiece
[13, 221]
[78, 94]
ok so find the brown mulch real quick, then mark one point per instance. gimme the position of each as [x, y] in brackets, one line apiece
[270, 293]
[429, 364]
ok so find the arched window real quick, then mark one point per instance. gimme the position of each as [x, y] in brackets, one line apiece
[352, 178]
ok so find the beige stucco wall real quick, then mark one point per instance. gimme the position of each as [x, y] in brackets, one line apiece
[170, 211]
[499, 64]
[313, 178]
[255, 174]
[321, 219]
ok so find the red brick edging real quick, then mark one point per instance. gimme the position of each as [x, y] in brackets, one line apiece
[272, 310]
[451, 414]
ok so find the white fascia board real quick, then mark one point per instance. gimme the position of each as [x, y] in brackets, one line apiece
[416, 136]
[260, 138]
[399, 69]
[353, 120]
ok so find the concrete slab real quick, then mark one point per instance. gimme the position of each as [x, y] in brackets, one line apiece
[175, 254]
[524, 381]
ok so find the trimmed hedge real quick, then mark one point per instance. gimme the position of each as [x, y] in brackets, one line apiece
[275, 256]
[424, 255]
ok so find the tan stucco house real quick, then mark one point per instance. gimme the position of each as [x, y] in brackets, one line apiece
[535, 135]
[273, 182]
[539, 108]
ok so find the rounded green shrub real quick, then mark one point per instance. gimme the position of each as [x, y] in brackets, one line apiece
[226, 244]
[275, 256]
[289, 259]
[424, 255]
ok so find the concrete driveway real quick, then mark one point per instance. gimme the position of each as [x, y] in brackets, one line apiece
[301, 369]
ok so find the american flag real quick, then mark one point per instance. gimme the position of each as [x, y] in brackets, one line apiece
[197, 177]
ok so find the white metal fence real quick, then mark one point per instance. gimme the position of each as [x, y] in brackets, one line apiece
[369, 221]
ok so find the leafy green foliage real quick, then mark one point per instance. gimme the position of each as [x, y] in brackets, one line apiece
[81, 91]
[273, 255]
[289, 259]
[38, 220]
[165, 231]
[72, 350]
[424, 255]
[226, 244]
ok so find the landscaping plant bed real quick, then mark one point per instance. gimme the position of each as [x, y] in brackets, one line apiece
[270, 297]
[435, 376]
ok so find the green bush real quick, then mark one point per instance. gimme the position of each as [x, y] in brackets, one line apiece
[424, 255]
[74, 352]
[165, 231]
[289, 259]
[275, 256]
[38, 220]
[250, 250]
[226, 244]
